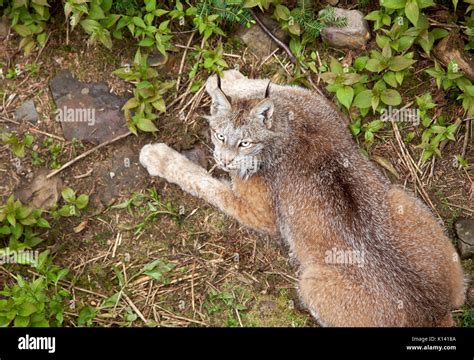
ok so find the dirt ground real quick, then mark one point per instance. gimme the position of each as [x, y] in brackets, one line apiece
[215, 272]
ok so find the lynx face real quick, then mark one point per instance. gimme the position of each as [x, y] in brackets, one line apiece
[240, 131]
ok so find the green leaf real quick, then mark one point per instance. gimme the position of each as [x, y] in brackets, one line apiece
[360, 62]
[345, 95]
[369, 137]
[69, 195]
[21, 321]
[23, 30]
[26, 309]
[43, 223]
[146, 42]
[159, 105]
[139, 22]
[146, 125]
[67, 210]
[398, 63]
[390, 78]
[90, 26]
[412, 11]
[374, 65]
[17, 230]
[42, 258]
[393, 4]
[5, 230]
[391, 97]
[363, 99]
[150, 5]
[23, 212]
[82, 201]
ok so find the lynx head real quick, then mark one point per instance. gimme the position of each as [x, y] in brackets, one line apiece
[240, 130]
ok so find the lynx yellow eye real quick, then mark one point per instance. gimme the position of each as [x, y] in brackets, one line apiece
[245, 144]
[220, 137]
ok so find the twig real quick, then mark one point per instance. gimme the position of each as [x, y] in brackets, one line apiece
[47, 134]
[466, 139]
[181, 66]
[134, 307]
[410, 164]
[83, 155]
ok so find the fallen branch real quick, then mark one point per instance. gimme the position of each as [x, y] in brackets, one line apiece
[273, 37]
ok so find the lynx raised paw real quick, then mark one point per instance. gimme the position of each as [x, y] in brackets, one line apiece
[156, 158]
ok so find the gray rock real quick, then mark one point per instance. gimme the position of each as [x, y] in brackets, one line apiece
[27, 112]
[41, 192]
[87, 111]
[465, 233]
[260, 43]
[353, 36]
[4, 26]
[156, 59]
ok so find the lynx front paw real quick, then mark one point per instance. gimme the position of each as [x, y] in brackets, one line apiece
[156, 158]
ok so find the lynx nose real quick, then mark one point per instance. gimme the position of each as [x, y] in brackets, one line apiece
[226, 159]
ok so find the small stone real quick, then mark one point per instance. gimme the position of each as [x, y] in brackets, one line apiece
[157, 59]
[27, 112]
[112, 174]
[4, 26]
[41, 192]
[470, 295]
[85, 91]
[465, 233]
[353, 36]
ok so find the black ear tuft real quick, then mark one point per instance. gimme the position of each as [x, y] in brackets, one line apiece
[267, 90]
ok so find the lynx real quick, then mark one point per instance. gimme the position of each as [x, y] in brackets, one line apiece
[369, 253]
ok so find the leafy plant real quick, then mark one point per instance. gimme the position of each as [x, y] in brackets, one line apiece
[38, 302]
[151, 206]
[17, 146]
[376, 96]
[73, 203]
[340, 82]
[435, 131]
[148, 94]
[28, 19]
[454, 78]
[18, 224]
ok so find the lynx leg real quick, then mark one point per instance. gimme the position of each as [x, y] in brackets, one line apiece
[336, 301]
[161, 160]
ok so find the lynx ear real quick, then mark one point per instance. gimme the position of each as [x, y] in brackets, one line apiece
[263, 111]
[220, 102]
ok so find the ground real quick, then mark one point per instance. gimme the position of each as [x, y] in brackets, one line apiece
[211, 271]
